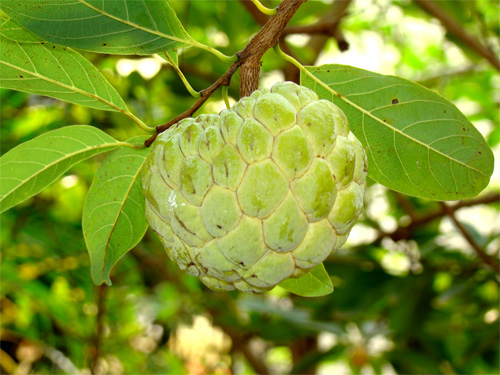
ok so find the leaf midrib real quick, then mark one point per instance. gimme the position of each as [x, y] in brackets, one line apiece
[122, 205]
[35, 175]
[129, 23]
[390, 127]
[72, 88]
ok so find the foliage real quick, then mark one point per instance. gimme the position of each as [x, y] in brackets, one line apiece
[410, 295]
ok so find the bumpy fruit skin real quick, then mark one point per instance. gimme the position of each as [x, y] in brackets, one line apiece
[261, 192]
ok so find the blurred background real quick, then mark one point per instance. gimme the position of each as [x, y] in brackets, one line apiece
[416, 285]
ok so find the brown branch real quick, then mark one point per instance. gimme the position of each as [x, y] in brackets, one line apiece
[248, 60]
[265, 39]
[479, 251]
[322, 27]
[458, 31]
[292, 73]
[317, 43]
[240, 342]
[405, 232]
[96, 354]
[224, 80]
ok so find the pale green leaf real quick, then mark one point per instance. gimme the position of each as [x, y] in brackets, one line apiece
[120, 27]
[315, 283]
[33, 165]
[42, 68]
[113, 215]
[417, 142]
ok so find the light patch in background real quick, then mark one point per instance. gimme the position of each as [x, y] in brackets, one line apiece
[468, 107]
[491, 316]
[401, 257]
[361, 234]
[326, 341]
[334, 367]
[147, 67]
[495, 178]
[268, 79]
[482, 218]
[298, 40]
[125, 67]
[69, 181]
[485, 126]
[200, 344]
[367, 50]
[216, 106]
[217, 38]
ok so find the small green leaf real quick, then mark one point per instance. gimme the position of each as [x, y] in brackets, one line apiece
[31, 65]
[113, 215]
[417, 142]
[315, 283]
[30, 167]
[119, 27]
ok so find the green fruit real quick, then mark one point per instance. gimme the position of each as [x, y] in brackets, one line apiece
[261, 192]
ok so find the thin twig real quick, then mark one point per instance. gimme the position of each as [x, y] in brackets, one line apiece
[224, 80]
[458, 31]
[404, 232]
[479, 251]
[101, 298]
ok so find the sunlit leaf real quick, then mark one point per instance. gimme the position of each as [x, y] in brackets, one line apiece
[315, 283]
[31, 65]
[113, 215]
[119, 27]
[30, 167]
[417, 142]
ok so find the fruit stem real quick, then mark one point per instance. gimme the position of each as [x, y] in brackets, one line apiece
[192, 91]
[263, 9]
[139, 122]
[225, 96]
[215, 52]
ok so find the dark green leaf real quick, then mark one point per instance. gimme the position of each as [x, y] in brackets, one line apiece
[118, 27]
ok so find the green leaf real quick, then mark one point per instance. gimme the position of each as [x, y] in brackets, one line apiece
[113, 215]
[31, 65]
[120, 27]
[30, 167]
[315, 283]
[417, 142]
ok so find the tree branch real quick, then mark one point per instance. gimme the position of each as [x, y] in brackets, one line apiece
[248, 60]
[265, 39]
[458, 31]
[224, 80]
[101, 296]
[404, 232]
[479, 251]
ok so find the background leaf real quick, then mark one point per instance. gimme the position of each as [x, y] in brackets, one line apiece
[315, 283]
[30, 167]
[417, 142]
[118, 27]
[31, 65]
[113, 215]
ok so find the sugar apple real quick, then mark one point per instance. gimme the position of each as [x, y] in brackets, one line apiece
[261, 192]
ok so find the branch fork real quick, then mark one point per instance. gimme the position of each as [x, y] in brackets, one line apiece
[248, 60]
